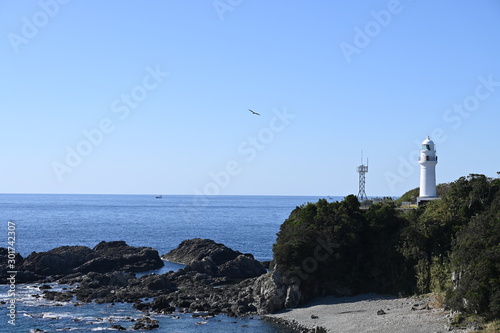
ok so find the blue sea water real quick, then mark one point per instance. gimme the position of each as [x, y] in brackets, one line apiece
[42, 222]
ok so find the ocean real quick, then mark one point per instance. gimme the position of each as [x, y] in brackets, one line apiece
[44, 221]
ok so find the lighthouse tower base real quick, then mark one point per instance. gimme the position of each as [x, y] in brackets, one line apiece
[424, 200]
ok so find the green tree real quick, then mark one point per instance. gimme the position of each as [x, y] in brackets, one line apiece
[476, 263]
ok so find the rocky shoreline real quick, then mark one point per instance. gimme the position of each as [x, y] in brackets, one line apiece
[294, 325]
[215, 280]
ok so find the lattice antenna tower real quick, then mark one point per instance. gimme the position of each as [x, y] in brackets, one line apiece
[362, 170]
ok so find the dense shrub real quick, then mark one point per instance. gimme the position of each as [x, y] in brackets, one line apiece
[361, 252]
[476, 263]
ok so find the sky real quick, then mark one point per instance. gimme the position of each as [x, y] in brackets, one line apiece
[152, 97]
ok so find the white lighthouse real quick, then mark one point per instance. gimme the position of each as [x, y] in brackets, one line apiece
[427, 161]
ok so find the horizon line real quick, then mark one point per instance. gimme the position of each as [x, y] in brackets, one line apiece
[202, 195]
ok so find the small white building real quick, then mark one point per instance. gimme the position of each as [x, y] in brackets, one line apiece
[428, 160]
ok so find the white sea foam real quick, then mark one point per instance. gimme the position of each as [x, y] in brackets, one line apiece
[102, 329]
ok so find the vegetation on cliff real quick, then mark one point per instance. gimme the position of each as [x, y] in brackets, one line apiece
[449, 246]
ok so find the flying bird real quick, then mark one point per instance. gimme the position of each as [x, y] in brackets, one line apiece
[258, 114]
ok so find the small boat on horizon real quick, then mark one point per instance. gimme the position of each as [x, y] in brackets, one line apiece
[159, 197]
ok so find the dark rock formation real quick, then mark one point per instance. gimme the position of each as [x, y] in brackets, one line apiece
[206, 285]
[163, 304]
[145, 323]
[107, 248]
[58, 296]
[118, 256]
[99, 264]
[215, 260]
[74, 261]
[142, 306]
[244, 266]
[205, 266]
[196, 249]
[121, 287]
[59, 261]
[216, 279]
[270, 293]
[118, 327]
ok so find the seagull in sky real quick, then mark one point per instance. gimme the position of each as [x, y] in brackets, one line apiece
[258, 114]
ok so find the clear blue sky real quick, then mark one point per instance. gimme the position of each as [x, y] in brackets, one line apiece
[345, 76]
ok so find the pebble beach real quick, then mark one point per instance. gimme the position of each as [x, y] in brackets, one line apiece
[366, 313]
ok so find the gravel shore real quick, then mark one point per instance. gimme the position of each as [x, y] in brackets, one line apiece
[366, 313]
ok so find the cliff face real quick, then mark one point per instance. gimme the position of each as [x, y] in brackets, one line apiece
[270, 293]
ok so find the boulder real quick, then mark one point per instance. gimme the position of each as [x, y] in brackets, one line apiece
[58, 296]
[156, 283]
[59, 261]
[115, 279]
[100, 265]
[242, 267]
[75, 261]
[107, 248]
[118, 286]
[197, 249]
[163, 304]
[206, 266]
[119, 279]
[123, 257]
[215, 260]
[138, 305]
[145, 323]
